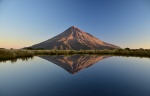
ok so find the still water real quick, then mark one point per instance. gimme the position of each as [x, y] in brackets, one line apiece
[76, 75]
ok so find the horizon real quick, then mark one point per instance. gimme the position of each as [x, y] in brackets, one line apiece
[118, 22]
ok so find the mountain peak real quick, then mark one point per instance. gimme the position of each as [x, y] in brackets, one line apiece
[73, 27]
[75, 39]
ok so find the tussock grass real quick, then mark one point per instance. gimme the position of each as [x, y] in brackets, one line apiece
[11, 54]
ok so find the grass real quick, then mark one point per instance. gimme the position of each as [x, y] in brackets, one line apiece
[13, 53]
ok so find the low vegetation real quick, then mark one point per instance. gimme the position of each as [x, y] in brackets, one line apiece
[13, 53]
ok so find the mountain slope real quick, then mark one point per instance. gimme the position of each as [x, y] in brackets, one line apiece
[76, 39]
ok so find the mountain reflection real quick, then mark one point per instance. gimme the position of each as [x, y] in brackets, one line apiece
[74, 63]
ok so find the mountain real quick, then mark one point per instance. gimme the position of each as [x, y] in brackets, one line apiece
[74, 63]
[75, 39]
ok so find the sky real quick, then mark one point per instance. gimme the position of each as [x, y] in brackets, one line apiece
[125, 23]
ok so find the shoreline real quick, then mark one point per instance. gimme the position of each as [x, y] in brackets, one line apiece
[19, 53]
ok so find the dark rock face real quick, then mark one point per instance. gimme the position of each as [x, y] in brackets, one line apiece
[75, 39]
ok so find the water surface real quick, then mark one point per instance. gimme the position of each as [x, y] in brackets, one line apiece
[77, 75]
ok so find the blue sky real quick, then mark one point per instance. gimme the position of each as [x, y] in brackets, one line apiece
[125, 23]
